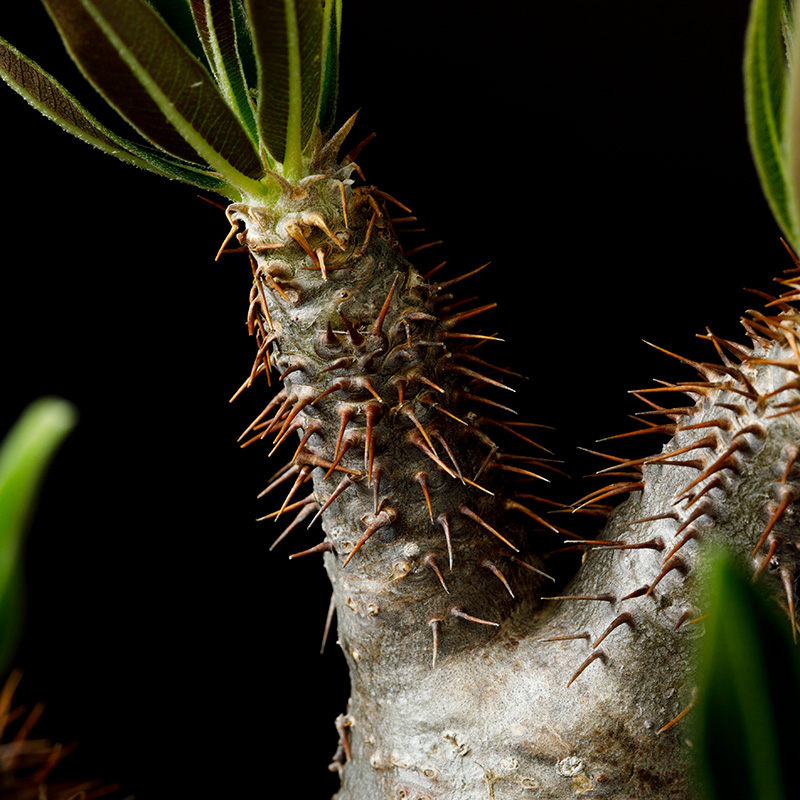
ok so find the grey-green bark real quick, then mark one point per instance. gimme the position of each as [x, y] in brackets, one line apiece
[465, 683]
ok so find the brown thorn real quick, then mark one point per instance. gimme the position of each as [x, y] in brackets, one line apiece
[496, 572]
[435, 625]
[457, 612]
[443, 442]
[303, 475]
[597, 654]
[786, 497]
[344, 205]
[348, 443]
[668, 429]
[479, 336]
[513, 505]
[408, 411]
[773, 546]
[430, 561]
[508, 429]
[568, 638]
[720, 463]
[231, 234]
[381, 519]
[312, 428]
[668, 515]
[625, 618]
[444, 521]
[363, 248]
[642, 590]
[478, 377]
[792, 452]
[308, 508]
[680, 716]
[603, 598]
[454, 319]
[296, 409]
[532, 568]
[470, 514]
[331, 612]
[422, 480]
[676, 562]
[321, 261]
[378, 326]
[345, 483]
[281, 396]
[787, 579]
[614, 489]
[690, 534]
[414, 250]
[322, 547]
[391, 199]
[282, 475]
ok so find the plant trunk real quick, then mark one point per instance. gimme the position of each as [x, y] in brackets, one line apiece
[467, 681]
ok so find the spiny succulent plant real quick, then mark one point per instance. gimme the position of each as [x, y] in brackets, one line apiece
[464, 681]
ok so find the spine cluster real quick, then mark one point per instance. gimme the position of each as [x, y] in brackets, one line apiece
[392, 418]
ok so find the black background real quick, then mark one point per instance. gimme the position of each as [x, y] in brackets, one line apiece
[594, 151]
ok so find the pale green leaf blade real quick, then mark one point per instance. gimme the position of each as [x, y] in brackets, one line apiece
[765, 71]
[49, 97]
[24, 456]
[331, 37]
[216, 27]
[142, 69]
[748, 699]
[287, 36]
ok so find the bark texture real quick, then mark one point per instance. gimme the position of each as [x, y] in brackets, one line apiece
[468, 680]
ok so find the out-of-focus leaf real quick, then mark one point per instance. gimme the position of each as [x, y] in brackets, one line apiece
[25, 453]
[332, 26]
[217, 30]
[49, 97]
[748, 693]
[766, 76]
[288, 44]
[144, 71]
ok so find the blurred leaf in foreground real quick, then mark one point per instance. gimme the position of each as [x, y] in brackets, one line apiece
[748, 692]
[24, 455]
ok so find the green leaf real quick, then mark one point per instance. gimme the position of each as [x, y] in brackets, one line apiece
[26, 451]
[748, 693]
[331, 32]
[287, 36]
[179, 19]
[217, 30]
[143, 70]
[49, 97]
[766, 76]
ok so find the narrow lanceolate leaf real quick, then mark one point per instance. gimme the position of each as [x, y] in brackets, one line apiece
[766, 74]
[143, 70]
[215, 25]
[47, 95]
[24, 456]
[288, 43]
[748, 693]
[332, 26]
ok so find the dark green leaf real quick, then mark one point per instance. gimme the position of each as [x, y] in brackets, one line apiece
[332, 26]
[178, 16]
[26, 451]
[142, 69]
[216, 27]
[765, 90]
[48, 96]
[748, 693]
[288, 43]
